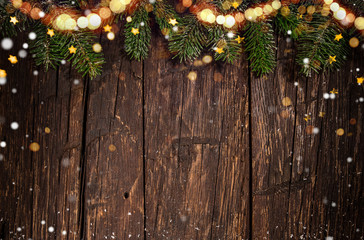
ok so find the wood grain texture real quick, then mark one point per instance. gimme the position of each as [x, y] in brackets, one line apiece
[113, 160]
[197, 158]
[144, 152]
[45, 181]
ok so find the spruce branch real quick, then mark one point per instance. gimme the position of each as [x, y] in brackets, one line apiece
[317, 45]
[7, 28]
[45, 49]
[163, 12]
[218, 38]
[137, 42]
[292, 22]
[188, 42]
[260, 46]
[85, 60]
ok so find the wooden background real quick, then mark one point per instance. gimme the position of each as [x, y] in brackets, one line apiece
[216, 158]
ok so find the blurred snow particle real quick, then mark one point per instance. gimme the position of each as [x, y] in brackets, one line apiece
[3, 144]
[7, 43]
[25, 45]
[1, 157]
[51, 229]
[65, 162]
[42, 222]
[18, 229]
[64, 232]
[349, 159]
[3, 81]
[14, 125]
[32, 35]
[329, 238]
[316, 130]
[35, 73]
[22, 53]
[326, 95]
[333, 204]
[76, 82]
[14, 90]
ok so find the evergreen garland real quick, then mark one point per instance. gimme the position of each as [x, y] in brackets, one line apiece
[187, 43]
[316, 35]
[137, 43]
[260, 47]
[317, 47]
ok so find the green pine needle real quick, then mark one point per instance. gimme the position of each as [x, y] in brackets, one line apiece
[260, 46]
[137, 45]
[188, 42]
[231, 48]
[85, 60]
[318, 43]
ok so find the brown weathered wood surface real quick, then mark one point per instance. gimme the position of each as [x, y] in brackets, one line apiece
[143, 152]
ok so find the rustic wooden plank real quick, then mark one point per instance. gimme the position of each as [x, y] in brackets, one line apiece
[197, 180]
[113, 163]
[16, 165]
[47, 100]
[330, 199]
[273, 99]
[59, 107]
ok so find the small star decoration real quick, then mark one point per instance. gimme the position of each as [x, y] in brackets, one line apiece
[2, 73]
[172, 21]
[322, 114]
[307, 117]
[219, 50]
[14, 20]
[338, 37]
[50, 32]
[334, 91]
[360, 80]
[72, 49]
[235, 4]
[332, 59]
[239, 39]
[135, 31]
[13, 59]
[107, 28]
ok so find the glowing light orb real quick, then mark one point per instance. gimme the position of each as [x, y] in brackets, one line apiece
[82, 22]
[220, 19]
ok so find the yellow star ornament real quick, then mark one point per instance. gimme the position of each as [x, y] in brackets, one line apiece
[239, 39]
[219, 50]
[334, 91]
[13, 20]
[172, 21]
[307, 117]
[332, 59]
[107, 28]
[13, 59]
[235, 4]
[2, 73]
[72, 49]
[338, 37]
[50, 32]
[360, 80]
[135, 31]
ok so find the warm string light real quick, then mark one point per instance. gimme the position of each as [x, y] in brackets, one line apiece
[94, 19]
[208, 13]
[63, 19]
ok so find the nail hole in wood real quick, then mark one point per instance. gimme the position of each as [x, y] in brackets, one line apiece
[126, 195]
